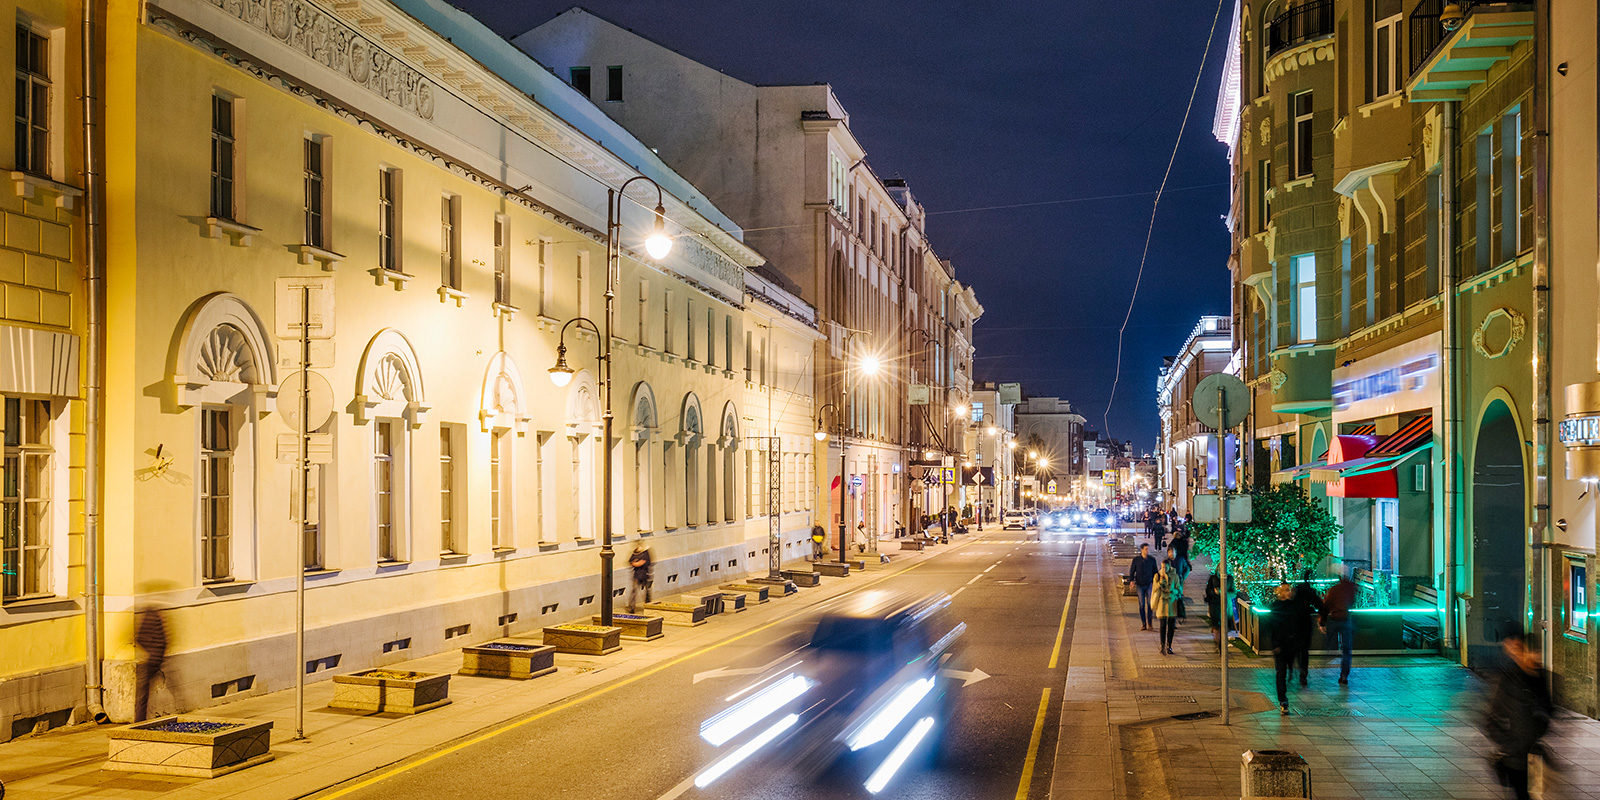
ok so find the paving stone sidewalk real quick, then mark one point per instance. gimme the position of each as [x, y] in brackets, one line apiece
[1405, 727]
[342, 745]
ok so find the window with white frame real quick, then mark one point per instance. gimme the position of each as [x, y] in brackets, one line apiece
[1300, 135]
[386, 490]
[33, 101]
[543, 490]
[547, 284]
[452, 477]
[216, 493]
[666, 322]
[1304, 269]
[644, 314]
[500, 521]
[1386, 71]
[450, 241]
[26, 537]
[502, 260]
[711, 337]
[224, 157]
[389, 250]
[584, 303]
[315, 184]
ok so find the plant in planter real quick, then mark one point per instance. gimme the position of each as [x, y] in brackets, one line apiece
[191, 746]
[1289, 532]
[391, 690]
[514, 660]
[638, 627]
[575, 638]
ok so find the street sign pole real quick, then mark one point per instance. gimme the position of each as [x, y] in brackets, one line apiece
[1222, 400]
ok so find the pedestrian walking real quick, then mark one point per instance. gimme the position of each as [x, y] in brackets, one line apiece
[1180, 551]
[1142, 572]
[1166, 594]
[1337, 622]
[860, 540]
[643, 564]
[1285, 641]
[1159, 531]
[819, 542]
[1310, 605]
[150, 637]
[1518, 715]
[1214, 597]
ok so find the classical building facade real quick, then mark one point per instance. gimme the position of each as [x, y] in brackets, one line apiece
[1191, 457]
[1048, 428]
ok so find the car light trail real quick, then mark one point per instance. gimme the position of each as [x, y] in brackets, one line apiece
[885, 772]
[745, 750]
[730, 723]
[886, 718]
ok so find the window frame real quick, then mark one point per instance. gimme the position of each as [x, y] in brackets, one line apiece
[1302, 133]
[502, 260]
[32, 129]
[1396, 75]
[36, 576]
[391, 251]
[452, 489]
[225, 176]
[211, 510]
[614, 83]
[450, 240]
[587, 87]
[1303, 274]
[387, 524]
[502, 521]
[317, 197]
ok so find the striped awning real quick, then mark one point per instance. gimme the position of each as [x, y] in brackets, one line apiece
[1364, 430]
[1412, 435]
[1388, 453]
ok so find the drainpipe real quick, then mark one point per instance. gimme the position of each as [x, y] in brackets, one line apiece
[1451, 356]
[94, 257]
[1540, 582]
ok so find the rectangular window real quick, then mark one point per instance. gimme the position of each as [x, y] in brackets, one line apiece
[666, 323]
[644, 314]
[749, 349]
[224, 157]
[450, 490]
[450, 241]
[311, 528]
[1386, 73]
[1344, 288]
[384, 494]
[389, 219]
[545, 534]
[580, 80]
[614, 84]
[1577, 597]
[977, 411]
[547, 286]
[688, 327]
[727, 343]
[584, 304]
[216, 494]
[1263, 195]
[711, 338]
[1305, 297]
[316, 188]
[1300, 135]
[33, 102]
[29, 456]
[499, 492]
[502, 260]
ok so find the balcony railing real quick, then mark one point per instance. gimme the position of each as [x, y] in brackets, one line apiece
[1301, 24]
[1426, 33]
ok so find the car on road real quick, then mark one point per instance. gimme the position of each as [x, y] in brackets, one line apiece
[1056, 520]
[1104, 519]
[1014, 519]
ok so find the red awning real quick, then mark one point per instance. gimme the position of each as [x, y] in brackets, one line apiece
[1369, 472]
[1351, 447]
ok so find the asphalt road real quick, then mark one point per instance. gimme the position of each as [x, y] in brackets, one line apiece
[642, 740]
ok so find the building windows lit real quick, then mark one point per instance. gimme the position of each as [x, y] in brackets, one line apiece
[1304, 270]
[314, 178]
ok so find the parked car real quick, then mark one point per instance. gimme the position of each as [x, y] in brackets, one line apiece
[1014, 519]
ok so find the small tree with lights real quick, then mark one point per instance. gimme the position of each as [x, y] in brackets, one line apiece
[1288, 532]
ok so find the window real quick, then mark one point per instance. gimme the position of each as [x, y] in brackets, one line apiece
[384, 490]
[29, 455]
[1577, 597]
[1344, 287]
[33, 102]
[546, 533]
[644, 314]
[1305, 297]
[1386, 73]
[580, 80]
[711, 338]
[499, 490]
[224, 158]
[547, 285]
[389, 219]
[216, 494]
[689, 331]
[450, 491]
[502, 260]
[727, 343]
[666, 323]
[1300, 135]
[316, 189]
[614, 84]
[311, 528]
[584, 305]
[450, 241]
[749, 349]
[977, 411]
[1263, 194]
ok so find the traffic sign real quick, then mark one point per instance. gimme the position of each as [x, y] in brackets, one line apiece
[1221, 401]
[857, 481]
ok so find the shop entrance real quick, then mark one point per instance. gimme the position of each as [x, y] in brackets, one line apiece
[1499, 525]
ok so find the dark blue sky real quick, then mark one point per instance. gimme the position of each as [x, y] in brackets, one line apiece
[1011, 104]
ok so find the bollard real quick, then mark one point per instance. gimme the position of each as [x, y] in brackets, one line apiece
[1273, 773]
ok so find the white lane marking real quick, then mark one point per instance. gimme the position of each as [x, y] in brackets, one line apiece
[974, 579]
[992, 566]
[956, 592]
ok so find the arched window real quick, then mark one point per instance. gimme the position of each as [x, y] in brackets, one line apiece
[729, 443]
[690, 437]
[389, 399]
[503, 415]
[644, 430]
[583, 435]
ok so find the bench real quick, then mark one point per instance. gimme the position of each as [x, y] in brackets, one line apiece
[832, 569]
[1419, 631]
[733, 602]
[779, 586]
[802, 577]
[911, 544]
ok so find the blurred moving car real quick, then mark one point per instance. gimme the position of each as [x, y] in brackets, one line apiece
[866, 694]
[1057, 520]
[1103, 518]
[1014, 519]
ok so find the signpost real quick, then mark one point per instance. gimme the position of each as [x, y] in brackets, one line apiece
[1222, 401]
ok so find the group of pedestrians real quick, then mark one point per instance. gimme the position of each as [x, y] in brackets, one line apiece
[1160, 588]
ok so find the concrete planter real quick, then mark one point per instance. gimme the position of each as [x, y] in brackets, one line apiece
[802, 578]
[911, 544]
[1376, 632]
[684, 615]
[577, 639]
[711, 600]
[637, 627]
[517, 661]
[753, 595]
[779, 586]
[191, 746]
[832, 569]
[393, 691]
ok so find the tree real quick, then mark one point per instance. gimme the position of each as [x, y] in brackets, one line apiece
[1288, 533]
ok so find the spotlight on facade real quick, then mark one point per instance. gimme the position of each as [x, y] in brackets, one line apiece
[561, 374]
[658, 243]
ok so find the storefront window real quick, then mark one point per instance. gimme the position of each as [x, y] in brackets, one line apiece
[1577, 598]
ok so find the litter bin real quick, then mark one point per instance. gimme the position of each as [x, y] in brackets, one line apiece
[1273, 773]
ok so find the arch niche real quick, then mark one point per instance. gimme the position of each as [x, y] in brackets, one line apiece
[584, 429]
[728, 443]
[691, 434]
[1499, 532]
[643, 422]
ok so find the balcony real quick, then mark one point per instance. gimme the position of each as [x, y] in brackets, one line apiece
[1445, 64]
[1301, 24]
[1302, 379]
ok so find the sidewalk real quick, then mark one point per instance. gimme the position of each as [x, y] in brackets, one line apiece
[1405, 727]
[343, 745]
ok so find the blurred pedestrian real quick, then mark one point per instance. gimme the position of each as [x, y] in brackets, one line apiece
[1518, 715]
[1142, 573]
[1180, 551]
[1166, 594]
[819, 542]
[1337, 622]
[1308, 607]
[1284, 646]
[860, 540]
[643, 563]
[150, 637]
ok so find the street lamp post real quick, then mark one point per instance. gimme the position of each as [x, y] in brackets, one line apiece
[821, 435]
[656, 245]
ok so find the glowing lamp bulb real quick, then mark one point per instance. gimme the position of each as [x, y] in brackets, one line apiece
[870, 365]
[560, 376]
[822, 435]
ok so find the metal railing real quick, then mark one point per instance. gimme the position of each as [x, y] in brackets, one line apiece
[1426, 33]
[1306, 21]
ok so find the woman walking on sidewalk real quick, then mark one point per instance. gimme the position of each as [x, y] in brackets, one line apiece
[1164, 598]
[1284, 645]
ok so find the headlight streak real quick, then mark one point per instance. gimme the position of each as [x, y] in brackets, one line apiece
[752, 687]
[887, 717]
[885, 772]
[745, 750]
[733, 721]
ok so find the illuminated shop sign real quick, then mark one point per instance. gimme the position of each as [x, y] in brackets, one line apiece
[1407, 377]
[1580, 431]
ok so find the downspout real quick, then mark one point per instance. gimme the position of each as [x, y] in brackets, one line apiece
[1540, 582]
[1451, 355]
[94, 257]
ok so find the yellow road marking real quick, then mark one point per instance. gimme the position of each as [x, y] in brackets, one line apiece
[606, 689]
[1033, 747]
[1072, 586]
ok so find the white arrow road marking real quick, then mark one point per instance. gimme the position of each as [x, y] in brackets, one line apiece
[967, 678]
[728, 672]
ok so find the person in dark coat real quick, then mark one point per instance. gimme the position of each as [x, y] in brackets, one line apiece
[1180, 551]
[1214, 604]
[1305, 598]
[1337, 622]
[1285, 644]
[1142, 572]
[1518, 714]
[642, 562]
[150, 636]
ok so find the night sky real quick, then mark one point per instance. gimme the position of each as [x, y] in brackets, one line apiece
[1021, 103]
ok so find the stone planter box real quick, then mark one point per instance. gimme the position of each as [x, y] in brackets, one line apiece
[683, 615]
[711, 600]
[802, 578]
[753, 595]
[1377, 631]
[637, 627]
[190, 746]
[583, 640]
[779, 586]
[732, 601]
[516, 661]
[832, 569]
[911, 544]
[388, 690]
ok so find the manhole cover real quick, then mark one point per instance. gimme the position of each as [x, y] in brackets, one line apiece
[1325, 711]
[1190, 717]
[1163, 698]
